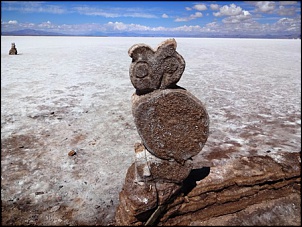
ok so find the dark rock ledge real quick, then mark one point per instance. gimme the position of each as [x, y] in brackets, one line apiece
[242, 191]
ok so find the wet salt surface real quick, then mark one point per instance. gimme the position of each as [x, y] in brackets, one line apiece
[74, 93]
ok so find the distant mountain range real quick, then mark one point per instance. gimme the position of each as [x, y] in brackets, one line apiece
[32, 32]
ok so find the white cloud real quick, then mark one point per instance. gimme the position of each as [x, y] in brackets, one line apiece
[165, 16]
[245, 15]
[231, 10]
[44, 7]
[47, 24]
[13, 22]
[120, 26]
[139, 15]
[287, 25]
[183, 19]
[197, 14]
[32, 7]
[52, 9]
[283, 3]
[212, 24]
[188, 8]
[200, 7]
[186, 28]
[214, 7]
[212, 27]
[117, 25]
[283, 11]
[290, 21]
[191, 17]
[160, 28]
[284, 21]
[91, 11]
[231, 26]
[265, 6]
[84, 10]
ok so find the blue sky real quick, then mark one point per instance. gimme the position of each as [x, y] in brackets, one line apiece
[183, 18]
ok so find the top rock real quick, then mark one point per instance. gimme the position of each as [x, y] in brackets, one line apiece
[155, 69]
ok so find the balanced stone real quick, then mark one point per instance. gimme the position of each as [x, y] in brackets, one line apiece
[13, 50]
[172, 123]
[153, 69]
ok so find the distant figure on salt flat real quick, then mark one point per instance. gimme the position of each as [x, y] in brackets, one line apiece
[13, 50]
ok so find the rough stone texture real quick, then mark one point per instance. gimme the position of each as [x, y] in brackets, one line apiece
[172, 123]
[13, 50]
[284, 211]
[153, 69]
[247, 184]
[144, 198]
[169, 171]
[151, 168]
[166, 191]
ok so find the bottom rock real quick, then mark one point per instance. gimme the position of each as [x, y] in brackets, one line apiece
[243, 191]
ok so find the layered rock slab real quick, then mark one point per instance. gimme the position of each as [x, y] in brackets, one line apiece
[243, 191]
[237, 185]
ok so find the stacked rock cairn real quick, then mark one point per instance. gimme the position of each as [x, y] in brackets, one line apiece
[173, 126]
[13, 49]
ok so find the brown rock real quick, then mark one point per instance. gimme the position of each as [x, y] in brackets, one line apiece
[13, 50]
[72, 153]
[141, 197]
[153, 69]
[151, 168]
[168, 171]
[125, 216]
[172, 123]
[166, 191]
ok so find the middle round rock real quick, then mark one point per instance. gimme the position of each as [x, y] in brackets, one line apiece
[172, 123]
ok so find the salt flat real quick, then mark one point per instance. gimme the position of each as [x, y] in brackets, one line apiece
[64, 93]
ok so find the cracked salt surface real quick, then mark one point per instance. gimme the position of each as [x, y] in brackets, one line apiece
[74, 93]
